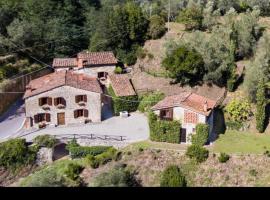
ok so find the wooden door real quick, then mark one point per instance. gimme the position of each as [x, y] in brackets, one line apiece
[61, 118]
[183, 135]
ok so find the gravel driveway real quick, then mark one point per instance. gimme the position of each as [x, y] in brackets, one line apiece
[134, 128]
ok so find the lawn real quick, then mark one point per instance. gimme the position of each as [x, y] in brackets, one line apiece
[242, 143]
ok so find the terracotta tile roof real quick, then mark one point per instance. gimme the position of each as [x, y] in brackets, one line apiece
[187, 100]
[64, 62]
[97, 58]
[59, 79]
[191, 117]
[122, 85]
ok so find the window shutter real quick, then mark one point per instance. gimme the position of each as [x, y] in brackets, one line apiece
[36, 119]
[77, 99]
[49, 101]
[55, 101]
[39, 102]
[75, 114]
[85, 112]
[85, 98]
[48, 117]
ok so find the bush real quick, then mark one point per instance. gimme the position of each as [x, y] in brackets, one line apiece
[149, 100]
[156, 27]
[118, 70]
[223, 158]
[45, 141]
[163, 131]
[80, 151]
[173, 177]
[238, 110]
[73, 170]
[63, 173]
[201, 136]
[117, 177]
[200, 154]
[261, 104]
[128, 103]
[253, 172]
[104, 158]
[141, 53]
[15, 153]
[233, 125]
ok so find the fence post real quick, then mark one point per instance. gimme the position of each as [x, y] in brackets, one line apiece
[105, 137]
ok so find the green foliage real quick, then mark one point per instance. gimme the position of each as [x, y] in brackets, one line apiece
[192, 17]
[148, 100]
[201, 136]
[163, 131]
[261, 104]
[141, 53]
[15, 153]
[127, 103]
[253, 172]
[45, 141]
[238, 110]
[81, 151]
[116, 177]
[118, 70]
[234, 125]
[184, 65]
[156, 27]
[103, 158]
[60, 174]
[173, 177]
[200, 154]
[223, 158]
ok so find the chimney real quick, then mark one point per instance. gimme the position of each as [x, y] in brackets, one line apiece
[205, 106]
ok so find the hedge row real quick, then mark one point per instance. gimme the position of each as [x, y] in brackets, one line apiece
[201, 136]
[128, 103]
[163, 131]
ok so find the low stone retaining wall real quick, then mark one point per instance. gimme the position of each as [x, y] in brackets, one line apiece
[99, 142]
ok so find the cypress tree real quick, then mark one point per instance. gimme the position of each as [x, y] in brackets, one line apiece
[261, 104]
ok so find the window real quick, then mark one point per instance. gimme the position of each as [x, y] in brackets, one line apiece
[166, 114]
[81, 98]
[80, 113]
[45, 101]
[59, 101]
[42, 117]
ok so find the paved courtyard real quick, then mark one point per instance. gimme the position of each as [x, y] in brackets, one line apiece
[134, 128]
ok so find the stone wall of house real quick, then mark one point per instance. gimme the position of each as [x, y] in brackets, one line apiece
[93, 105]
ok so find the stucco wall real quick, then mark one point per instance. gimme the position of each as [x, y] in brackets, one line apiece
[93, 71]
[93, 105]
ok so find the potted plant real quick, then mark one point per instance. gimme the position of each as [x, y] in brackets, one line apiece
[87, 121]
[61, 106]
[46, 107]
[42, 125]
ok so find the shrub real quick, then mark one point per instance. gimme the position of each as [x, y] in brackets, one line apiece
[253, 172]
[150, 56]
[15, 153]
[141, 53]
[80, 151]
[233, 125]
[118, 70]
[149, 100]
[72, 170]
[156, 27]
[261, 104]
[173, 177]
[223, 158]
[201, 136]
[63, 173]
[128, 103]
[45, 141]
[163, 131]
[238, 110]
[117, 177]
[200, 154]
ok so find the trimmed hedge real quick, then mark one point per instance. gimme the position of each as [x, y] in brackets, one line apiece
[80, 151]
[201, 136]
[163, 131]
[128, 103]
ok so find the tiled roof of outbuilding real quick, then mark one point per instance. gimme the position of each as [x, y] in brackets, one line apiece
[122, 85]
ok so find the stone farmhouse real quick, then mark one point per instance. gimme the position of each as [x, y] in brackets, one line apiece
[97, 64]
[63, 98]
[190, 109]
